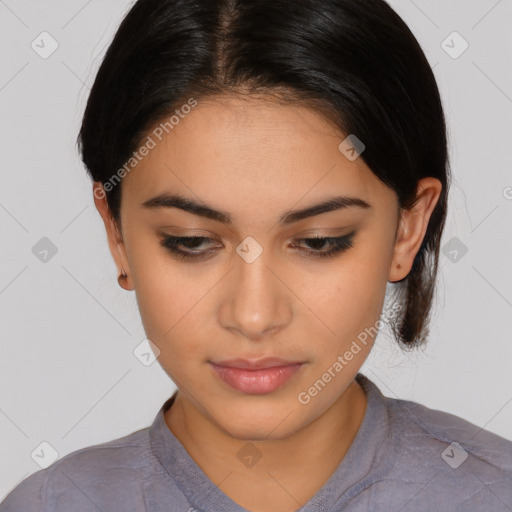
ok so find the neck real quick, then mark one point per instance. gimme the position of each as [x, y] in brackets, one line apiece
[290, 471]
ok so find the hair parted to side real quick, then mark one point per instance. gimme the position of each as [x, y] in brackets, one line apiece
[354, 62]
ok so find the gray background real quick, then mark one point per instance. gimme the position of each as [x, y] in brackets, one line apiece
[68, 373]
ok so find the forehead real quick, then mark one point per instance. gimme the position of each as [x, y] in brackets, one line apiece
[242, 154]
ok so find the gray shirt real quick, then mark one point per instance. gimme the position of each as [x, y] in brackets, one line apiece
[405, 457]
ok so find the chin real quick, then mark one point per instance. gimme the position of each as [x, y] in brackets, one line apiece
[250, 428]
[250, 432]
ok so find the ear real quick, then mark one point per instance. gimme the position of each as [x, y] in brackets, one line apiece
[413, 226]
[115, 239]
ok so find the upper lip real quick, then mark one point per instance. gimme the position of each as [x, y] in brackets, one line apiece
[256, 364]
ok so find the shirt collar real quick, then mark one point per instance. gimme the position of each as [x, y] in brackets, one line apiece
[370, 455]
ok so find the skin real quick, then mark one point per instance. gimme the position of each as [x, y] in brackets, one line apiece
[256, 159]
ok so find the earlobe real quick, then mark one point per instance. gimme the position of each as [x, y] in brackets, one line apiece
[114, 238]
[123, 278]
[404, 247]
[413, 227]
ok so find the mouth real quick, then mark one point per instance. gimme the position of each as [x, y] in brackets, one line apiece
[256, 377]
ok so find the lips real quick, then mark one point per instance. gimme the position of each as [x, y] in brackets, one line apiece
[256, 377]
[255, 364]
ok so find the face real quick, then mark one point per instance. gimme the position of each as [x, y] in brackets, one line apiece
[255, 283]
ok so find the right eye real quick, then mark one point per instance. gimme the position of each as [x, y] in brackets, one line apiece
[173, 244]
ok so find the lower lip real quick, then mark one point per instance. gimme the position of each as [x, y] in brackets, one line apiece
[256, 382]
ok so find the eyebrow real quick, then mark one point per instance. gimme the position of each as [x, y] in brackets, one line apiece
[289, 217]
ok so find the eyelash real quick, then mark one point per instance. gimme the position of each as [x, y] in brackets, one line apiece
[340, 244]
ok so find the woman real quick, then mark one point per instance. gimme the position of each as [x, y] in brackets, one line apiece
[263, 169]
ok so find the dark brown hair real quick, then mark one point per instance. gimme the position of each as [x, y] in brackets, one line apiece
[355, 62]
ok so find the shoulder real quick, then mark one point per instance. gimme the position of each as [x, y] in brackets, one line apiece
[450, 459]
[432, 428]
[82, 478]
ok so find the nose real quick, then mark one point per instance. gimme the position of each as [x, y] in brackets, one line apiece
[257, 301]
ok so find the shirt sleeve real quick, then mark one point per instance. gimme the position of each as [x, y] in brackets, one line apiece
[27, 496]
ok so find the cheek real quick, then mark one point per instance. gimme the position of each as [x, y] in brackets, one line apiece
[164, 295]
[170, 310]
[172, 300]
[349, 301]
[162, 285]
[362, 291]
[170, 321]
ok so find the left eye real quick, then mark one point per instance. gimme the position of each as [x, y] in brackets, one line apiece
[337, 245]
